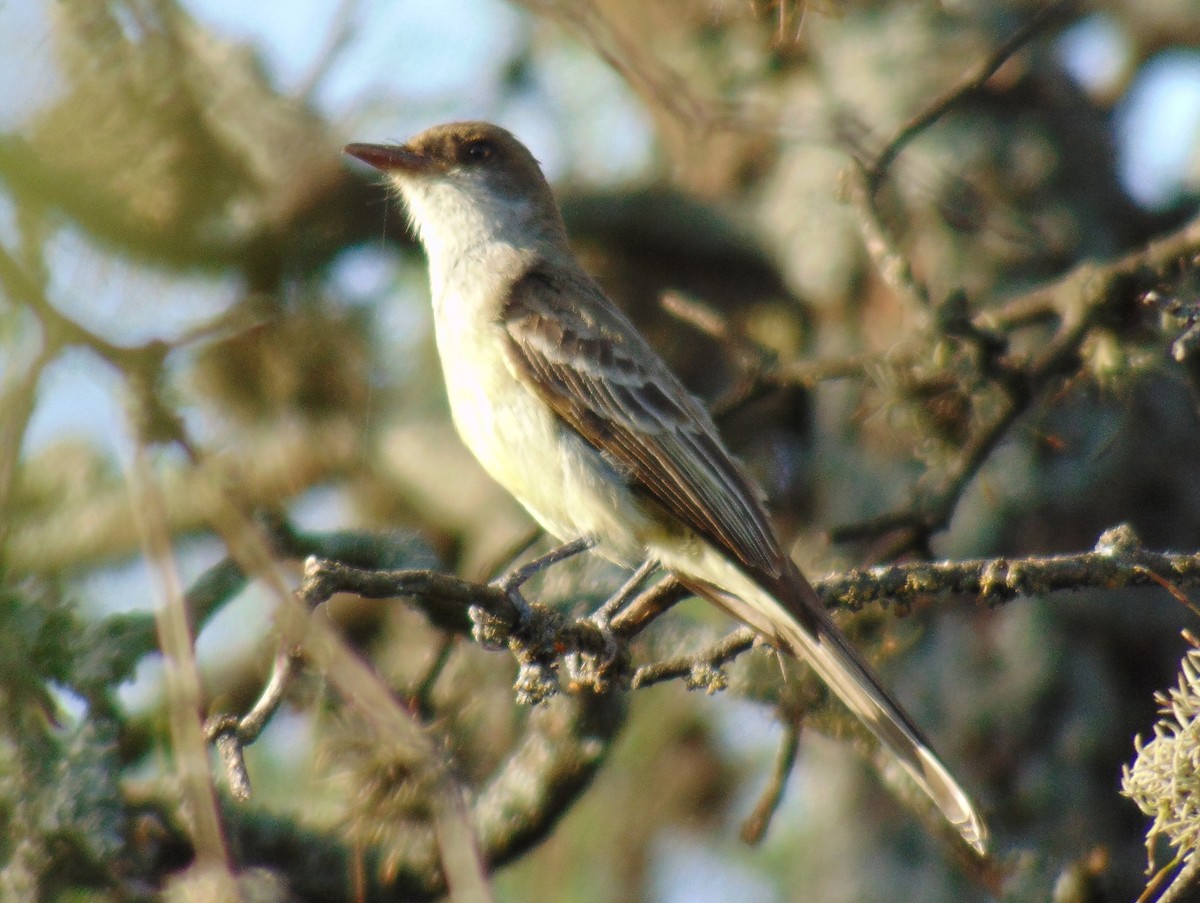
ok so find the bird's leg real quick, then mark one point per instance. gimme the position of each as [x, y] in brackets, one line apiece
[536, 679]
[512, 582]
[595, 668]
[603, 615]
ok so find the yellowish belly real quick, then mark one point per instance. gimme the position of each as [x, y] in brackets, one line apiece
[564, 483]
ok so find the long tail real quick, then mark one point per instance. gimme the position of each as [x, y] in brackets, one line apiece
[790, 613]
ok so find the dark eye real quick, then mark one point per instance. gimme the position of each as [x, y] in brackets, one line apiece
[478, 151]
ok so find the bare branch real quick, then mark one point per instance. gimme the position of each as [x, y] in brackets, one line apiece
[971, 82]
[754, 828]
[182, 677]
[1082, 299]
[890, 261]
[231, 735]
[702, 670]
[1118, 561]
[340, 32]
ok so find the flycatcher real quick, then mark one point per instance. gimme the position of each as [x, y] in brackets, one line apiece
[566, 405]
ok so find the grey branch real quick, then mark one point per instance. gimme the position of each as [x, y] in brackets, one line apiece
[569, 734]
[1117, 561]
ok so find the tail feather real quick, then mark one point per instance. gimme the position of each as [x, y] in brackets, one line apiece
[791, 614]
[855, 683]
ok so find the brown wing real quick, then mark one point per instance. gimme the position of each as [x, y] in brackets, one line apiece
[580, 353]
[601, 377]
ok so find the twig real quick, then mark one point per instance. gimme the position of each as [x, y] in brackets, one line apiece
[507, 559]
[141, 365]
[659, 84]
[971, 82]
[423, 694]
[231, 735]
[1176, 593]
[642, 611]
[340, 31]
[890, 261]
[701, 670]
[561, 748]
[751, 360]
[754, 828]
[1157, 879]
[933, 512]
[444, 598]
[510, 583]
[1182, 882]
[604, 615]
[1082, 298]
[707, 320]
[16, 407]
[182, 676]
[1117, 561]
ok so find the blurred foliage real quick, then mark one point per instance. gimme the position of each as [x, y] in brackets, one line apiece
[163, 157]
[64, 818]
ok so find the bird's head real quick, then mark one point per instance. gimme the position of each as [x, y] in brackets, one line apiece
[468, 182]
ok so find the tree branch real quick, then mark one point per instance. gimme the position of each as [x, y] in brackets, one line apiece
[972, 81]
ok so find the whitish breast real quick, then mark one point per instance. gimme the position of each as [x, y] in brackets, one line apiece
[563, 482]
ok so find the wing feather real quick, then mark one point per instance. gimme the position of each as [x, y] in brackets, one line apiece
[597, 373]
[595, 370]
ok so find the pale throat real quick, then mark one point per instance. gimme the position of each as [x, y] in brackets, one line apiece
[457, 222]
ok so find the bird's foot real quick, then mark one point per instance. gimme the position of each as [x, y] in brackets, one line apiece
[510, 584]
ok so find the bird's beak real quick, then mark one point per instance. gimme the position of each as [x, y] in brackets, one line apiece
[390, 157]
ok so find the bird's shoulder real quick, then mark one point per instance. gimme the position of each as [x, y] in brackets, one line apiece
[571, 346]
[559, 312]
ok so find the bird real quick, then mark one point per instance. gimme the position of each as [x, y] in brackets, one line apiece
[569, 408]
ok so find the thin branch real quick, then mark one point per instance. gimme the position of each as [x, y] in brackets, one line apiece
[643, 610]
[268, 469]
[1117, 562]
[1183, 882]
[507, 558]
[710, 321]
[754, 828]
[1082, 299]
[1157, 879]
[422, 696]
[658, 83]
[934, 511]
[891, 262]
[752, 361]
[182, 677]
[62, 330]
[881, 245]
[16, 407]
[563, 745]
[457, 864]
[670, 90]
[231, 735]
[339, 33]
[701, 670]
[972, 81]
